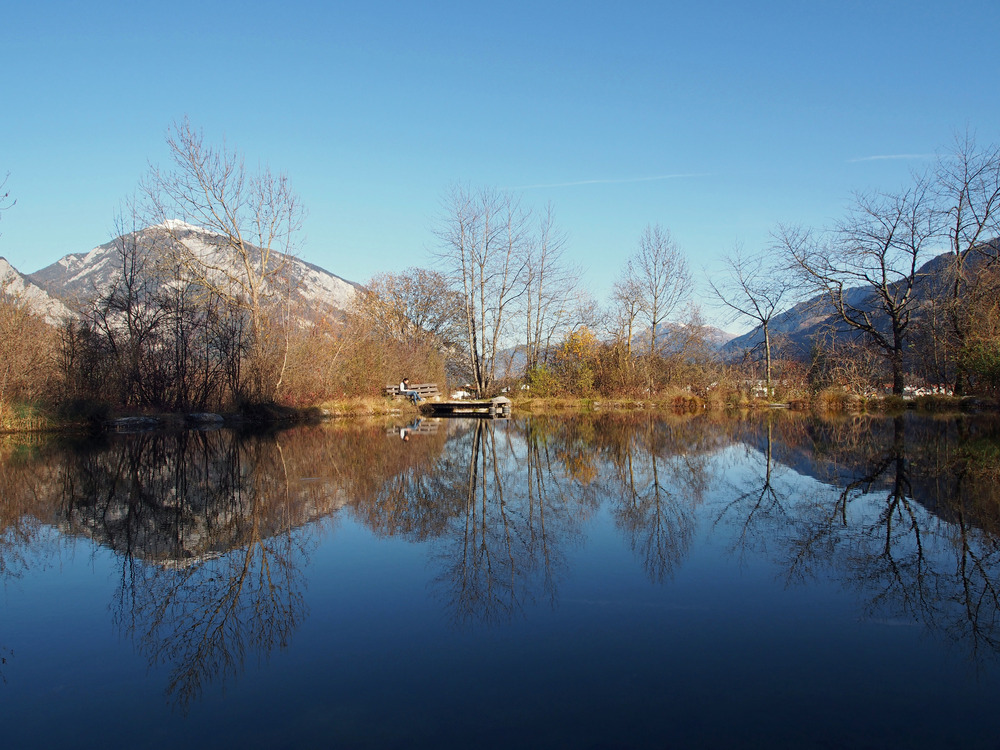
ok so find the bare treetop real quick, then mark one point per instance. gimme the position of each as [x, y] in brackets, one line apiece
[867, 268]
[658, 272]
[256, 214]
[967, 187]
[486, 238]
[256, 217]
[755, 286]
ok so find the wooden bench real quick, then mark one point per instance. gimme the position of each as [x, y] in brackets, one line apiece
[427, 391]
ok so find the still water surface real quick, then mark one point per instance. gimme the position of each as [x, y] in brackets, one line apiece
[604, 581]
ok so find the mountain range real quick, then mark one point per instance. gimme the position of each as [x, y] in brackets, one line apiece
[76, 279]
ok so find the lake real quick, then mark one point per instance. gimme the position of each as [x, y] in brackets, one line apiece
[599, 581]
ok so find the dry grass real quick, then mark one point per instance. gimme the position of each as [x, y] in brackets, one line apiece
[366, 406]
[19, 417]
[837, 400]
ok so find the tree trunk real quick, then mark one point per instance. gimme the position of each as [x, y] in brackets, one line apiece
[767, 360]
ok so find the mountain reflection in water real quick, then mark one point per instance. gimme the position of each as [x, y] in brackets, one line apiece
[214, 532]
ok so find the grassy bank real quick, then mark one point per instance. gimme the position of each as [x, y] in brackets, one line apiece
[27, 418]
[362, 406]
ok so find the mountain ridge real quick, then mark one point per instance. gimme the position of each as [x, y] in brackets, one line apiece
[77, 278]
[19, 286]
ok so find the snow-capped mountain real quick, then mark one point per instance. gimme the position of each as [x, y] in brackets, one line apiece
[15, 285]
[79, 277]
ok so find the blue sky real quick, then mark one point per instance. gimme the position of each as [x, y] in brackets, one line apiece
[716, 121]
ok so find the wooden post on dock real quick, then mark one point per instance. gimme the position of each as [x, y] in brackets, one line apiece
[500, 407]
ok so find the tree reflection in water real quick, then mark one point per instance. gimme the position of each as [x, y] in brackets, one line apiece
[758, 502]
[210, 551]
[660, 474]
[515, 516]
[906, 516]
[213, 530]
[525, 488]
[24, 469]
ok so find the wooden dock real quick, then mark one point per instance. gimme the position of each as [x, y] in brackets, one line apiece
[495, 408]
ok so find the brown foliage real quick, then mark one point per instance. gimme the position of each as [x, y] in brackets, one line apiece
[27, 353]
[332, 358]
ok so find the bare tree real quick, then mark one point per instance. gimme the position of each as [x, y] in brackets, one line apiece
[550, 286]
[967, 190]
[152, 336]
[626, 300]
[417, 323]
[128, 316]
[415, 303]
[867, 270]
[755, 287]
[255, 216]
[484, 237]
[659, 272]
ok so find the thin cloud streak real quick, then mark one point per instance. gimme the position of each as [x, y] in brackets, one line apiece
[620, 181]
[888, 157]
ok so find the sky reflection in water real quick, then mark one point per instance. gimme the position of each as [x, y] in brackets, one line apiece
[604, 581]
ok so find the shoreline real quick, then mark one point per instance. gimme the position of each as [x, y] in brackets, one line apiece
[265, 415]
